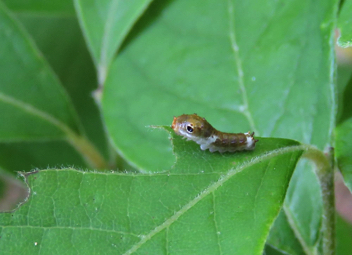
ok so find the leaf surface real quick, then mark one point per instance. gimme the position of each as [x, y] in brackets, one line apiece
[343, 149]
[105, 25]
[230, 200]
[345, 25]
[62, 43]
[238, 72]
[32, 101]
[26, 156]
[262, 66]
[282, 237]
[42, 7]
[343, 236]
[344, 92]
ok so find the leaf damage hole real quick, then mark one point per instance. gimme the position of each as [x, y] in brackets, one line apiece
[14, 192]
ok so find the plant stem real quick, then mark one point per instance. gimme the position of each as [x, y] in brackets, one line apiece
[325, 172]
[90, 154]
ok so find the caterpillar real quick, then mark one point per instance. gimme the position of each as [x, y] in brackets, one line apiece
[195, 128]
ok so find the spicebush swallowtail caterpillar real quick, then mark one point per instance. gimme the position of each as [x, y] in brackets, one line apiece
[195, 128]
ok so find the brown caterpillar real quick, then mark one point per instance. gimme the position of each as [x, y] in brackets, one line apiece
[197, 129]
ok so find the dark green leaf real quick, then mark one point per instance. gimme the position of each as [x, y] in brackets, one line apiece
[32, 102]
[282, 237]
[345, 93]
[62, 43]
[343, 236]
[56, 7]
[270, 250]
[304, 216]
[345, 24]
[2, 187]
[27, 156]
[343, 151]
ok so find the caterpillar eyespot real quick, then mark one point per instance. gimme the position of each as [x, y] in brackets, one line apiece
[189, 129]
[195, 128]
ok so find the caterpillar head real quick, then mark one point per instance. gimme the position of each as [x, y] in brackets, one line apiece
[191, 126]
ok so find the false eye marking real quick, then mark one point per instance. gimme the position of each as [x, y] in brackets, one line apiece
[210, 138]
[189, 129]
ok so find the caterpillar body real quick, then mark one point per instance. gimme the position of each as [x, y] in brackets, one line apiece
[195, 128]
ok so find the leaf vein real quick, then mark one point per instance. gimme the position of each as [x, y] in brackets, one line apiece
[217, 231]
[75, 229]
[257, 193]
[211, 188]
[308, 250]
[35, 112]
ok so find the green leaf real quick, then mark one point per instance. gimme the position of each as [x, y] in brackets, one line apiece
[344, 92]
[39, 155]
[271, 74]
[238, 72]
[62, 43]
[105, 25]
[283, 238]
[2, 187]
[343, 134]
[345, 24]
[41, 7]
[269, 250]
[345, 110]
[208, 203]
[32, 100]
[343, 236]
[343, 239]
[304, 216]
